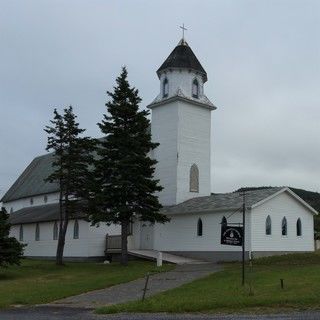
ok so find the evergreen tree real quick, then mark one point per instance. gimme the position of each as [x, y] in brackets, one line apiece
[124, 171]
[72, 160]
[11, 250]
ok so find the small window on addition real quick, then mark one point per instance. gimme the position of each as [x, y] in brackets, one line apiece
[268, 226]
[195, 88]
[299, 228]
[224, 221]
[76, 230]
[284, 228]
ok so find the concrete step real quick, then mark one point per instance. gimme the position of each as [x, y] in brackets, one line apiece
[167, 257]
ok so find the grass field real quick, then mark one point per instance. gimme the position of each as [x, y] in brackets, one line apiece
[222, 291]
[42, 281]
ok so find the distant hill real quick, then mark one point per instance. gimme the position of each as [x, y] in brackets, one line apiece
[311, 197]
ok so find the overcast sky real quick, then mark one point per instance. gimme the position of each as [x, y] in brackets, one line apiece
[262, 59]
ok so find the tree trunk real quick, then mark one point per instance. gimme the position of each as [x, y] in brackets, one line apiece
[124, 243]
[61, 241]
[63, 225]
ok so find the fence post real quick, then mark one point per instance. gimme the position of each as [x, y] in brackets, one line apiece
[145, 287]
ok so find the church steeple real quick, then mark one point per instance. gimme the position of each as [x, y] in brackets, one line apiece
[181, 123]
[182, 77]
[182, 57]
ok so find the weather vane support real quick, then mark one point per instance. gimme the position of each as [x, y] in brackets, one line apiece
[183, 30]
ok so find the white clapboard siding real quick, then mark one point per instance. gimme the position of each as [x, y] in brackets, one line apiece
[278, 207]
[180, 234]
[91, 242]
[37, 201]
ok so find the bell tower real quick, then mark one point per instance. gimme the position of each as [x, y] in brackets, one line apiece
[181, 123]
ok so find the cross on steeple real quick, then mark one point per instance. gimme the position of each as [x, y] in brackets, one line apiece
[183, 29]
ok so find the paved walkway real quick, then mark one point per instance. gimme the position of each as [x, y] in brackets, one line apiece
[168, 257]
[57, 313]
[133, 290]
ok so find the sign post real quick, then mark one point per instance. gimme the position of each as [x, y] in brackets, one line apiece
[233, 234]
[244, 230]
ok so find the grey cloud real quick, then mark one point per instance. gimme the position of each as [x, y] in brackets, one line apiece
[262, 60]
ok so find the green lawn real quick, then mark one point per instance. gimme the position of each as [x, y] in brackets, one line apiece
[42, 281]
[222, 291]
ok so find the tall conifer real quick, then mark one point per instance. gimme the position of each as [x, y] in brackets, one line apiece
[11, 250]
[72, 160]
[124, 171]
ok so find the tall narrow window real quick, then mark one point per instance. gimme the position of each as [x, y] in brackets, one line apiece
[165, 88]
[299, 228]
[37, 234]
[21, 233]
[194, 178]
[284, 226]
[76, 230]
[45, 198]
[195, 88]
[268, 226]
[11, 210]
[31, 201]
[199, 228]
[130, 230]
[55, 231]
[224, 221]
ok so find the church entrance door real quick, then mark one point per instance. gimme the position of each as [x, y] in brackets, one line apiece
[146, 236]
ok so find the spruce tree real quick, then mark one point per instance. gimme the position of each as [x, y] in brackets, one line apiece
[124, 170]
[11, 250]
[71, 169]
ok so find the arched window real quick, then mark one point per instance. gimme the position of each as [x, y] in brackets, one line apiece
[37, 234]
[199, 228]
[195, 88]
[21, 233]
[284, 230]
[224, 221]
[165, 88]
[299, 228]
[76, 230]
[194, 178]
[268, 226]
[55, 231]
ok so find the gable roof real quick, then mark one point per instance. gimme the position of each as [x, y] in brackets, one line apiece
[182, 56]
[31, 181]
[43, 213]
[230, 201]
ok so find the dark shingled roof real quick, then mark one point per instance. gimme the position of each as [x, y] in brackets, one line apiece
[182, 56]
[220, 201]
[31, 181]
[45, 213]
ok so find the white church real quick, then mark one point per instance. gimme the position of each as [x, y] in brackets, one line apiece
[277, 220]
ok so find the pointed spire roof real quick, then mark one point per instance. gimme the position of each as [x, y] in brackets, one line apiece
[182, 56]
